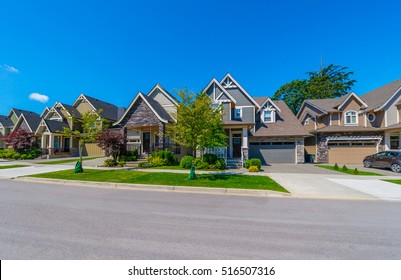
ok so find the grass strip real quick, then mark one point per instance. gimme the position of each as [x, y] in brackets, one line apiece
[349, 171]
[66, 160]
[398, 182]
[12, 166]
[171, 179]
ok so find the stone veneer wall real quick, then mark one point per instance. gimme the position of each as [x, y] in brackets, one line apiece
[323, 149]
[300, 150]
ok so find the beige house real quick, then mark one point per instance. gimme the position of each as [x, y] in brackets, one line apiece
[348, 128]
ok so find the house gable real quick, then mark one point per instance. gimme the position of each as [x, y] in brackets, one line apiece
[242, 97]
[163, 97]
[217, 92]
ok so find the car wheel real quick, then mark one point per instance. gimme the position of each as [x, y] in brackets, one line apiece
[367, 164]
[395, 167]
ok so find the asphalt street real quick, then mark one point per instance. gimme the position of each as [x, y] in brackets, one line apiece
[45, 221]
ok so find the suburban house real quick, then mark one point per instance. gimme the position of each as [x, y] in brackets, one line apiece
[144, 122]
[257, 127]
[6, 125]
[60, 116]
[348, 128]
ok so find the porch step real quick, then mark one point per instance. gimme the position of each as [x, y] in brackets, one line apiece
[234, 163]
[134, 164]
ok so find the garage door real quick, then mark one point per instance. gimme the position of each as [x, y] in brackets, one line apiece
[273, 153]
[349, 154]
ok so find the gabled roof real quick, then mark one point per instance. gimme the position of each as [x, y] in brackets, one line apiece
[228, 75]
[32, 121]
[215, 82]
[378, 98]
[263, 100]
[286, 124]
[45, 111]
[110, 111]
[352, 94]
[328, 105]
[72, 111]
[52, 126]
[166, 93]
[18, 112]
[6, 121]
[54, 110]
[156, 108]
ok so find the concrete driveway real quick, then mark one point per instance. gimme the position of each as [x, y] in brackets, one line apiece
[310, 181]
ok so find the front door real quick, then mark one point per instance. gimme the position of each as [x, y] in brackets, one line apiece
[237, 143]
[67, 144]
[146, 142]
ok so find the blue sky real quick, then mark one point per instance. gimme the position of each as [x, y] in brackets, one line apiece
[113, 49]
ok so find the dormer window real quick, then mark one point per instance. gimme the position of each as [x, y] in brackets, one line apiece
[237, 113]
[268, 116]
[351, 118]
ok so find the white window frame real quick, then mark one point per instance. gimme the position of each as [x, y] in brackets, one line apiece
[348, 113]
[306, 122]
[374, 117]
[273, 116]
[235, 113]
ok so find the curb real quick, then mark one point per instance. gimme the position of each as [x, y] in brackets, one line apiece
[144, 187]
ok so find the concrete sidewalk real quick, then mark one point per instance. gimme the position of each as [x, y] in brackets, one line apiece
[29, 170]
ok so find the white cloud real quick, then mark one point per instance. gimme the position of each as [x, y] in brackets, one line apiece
[39, 97]
[9, 68]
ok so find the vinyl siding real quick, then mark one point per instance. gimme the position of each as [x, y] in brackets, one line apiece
[226, 111]
[240, 98]
[160, 97]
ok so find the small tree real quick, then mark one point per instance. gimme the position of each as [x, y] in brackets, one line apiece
[19, 140]
[92, 126]
[112, 143]
[198, 125]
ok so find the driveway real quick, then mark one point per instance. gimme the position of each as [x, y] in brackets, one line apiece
[309, 181]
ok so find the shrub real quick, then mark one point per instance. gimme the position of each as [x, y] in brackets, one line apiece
[121, 163]
[204, 165]
[157, 161]
[344, 168]
[197, 162]
[144, 164]
[253, 162]
[335, 167]
[356, 171]
[167, 156]
[25, 156]
[110, 162]
[210, 158]
[220, 163]
[16, 156]
[253, 168]
[186, 162]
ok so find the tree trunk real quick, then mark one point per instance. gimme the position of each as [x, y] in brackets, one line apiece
[80, 152]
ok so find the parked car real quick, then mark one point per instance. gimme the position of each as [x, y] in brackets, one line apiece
[387, 159]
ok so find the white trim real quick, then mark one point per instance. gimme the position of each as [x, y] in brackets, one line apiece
[365, 119]
[81, 97]
[53, 110]
[235, 113]
[43, 123]
[374, 116]
[140, 94]
[330, 118]
[273, 116]
[167, 94]
[349, 96]
[385, 118]
[46, 108]
[222, 89]
[244, 106]
[339, 118]
[356, 118]
[388, 100]
[271, 102]
[303, 105]
[18, 123]
[241, 88]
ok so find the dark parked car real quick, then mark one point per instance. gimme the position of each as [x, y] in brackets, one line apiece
[387, 159]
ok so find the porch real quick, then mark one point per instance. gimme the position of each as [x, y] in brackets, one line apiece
[58, 145]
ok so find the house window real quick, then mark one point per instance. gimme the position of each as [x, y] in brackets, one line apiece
[351, 117]
[237, 113]
[306, 122]
[268, 116]
[371, 117]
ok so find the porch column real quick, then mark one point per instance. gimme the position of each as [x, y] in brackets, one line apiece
[43, 143]
[245, 138]
[230, 140]
[51, 143]
[70, 143]
[387, 141]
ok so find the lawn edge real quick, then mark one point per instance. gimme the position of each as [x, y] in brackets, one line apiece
[148, 187]
[339, 171]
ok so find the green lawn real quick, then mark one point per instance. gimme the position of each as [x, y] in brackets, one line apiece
[177, 167]
[171, 179]
[398, 182]
[349, 171]
[66, 160]
[12, 166]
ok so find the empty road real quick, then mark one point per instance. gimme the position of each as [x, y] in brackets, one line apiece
[45, 221]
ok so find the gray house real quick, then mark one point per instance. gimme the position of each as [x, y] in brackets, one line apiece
[257, 127]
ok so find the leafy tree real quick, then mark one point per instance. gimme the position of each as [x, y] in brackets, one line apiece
[19, 140]
[112, 143]
[197, 125]
[91, 126]
[329, 82]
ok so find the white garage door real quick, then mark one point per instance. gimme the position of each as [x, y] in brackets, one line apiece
[273, 152]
